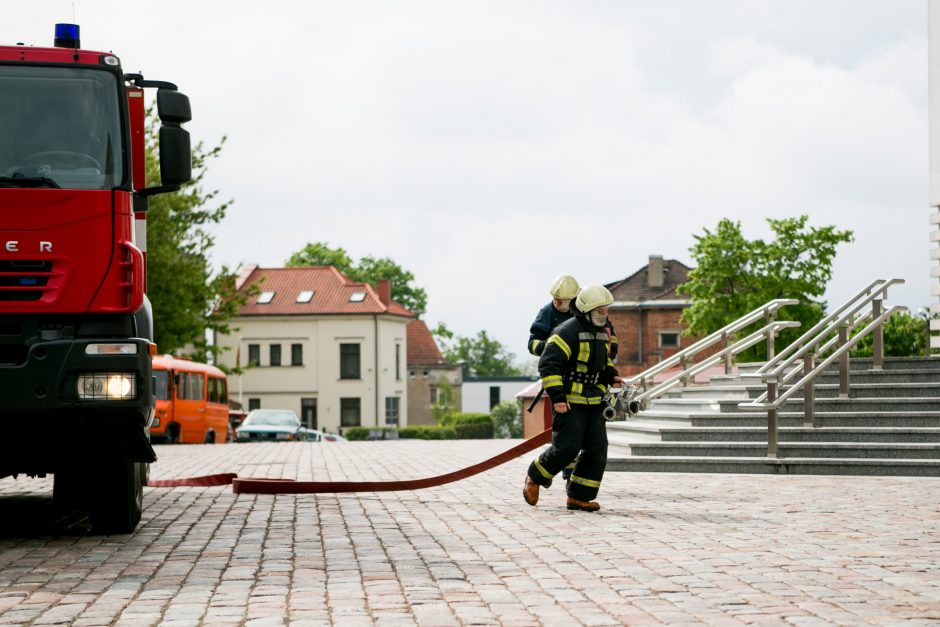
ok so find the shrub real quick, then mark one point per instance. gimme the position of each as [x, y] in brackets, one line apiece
[464, 419]
[507, 420]
[475, 431]
[427, 433]
[356, 433]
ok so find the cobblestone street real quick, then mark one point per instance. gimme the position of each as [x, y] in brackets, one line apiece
[666, 548]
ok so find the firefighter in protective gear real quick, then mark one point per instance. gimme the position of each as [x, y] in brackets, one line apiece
[576, 369]
[564, 289]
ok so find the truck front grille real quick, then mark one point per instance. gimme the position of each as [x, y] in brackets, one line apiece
[24, 280]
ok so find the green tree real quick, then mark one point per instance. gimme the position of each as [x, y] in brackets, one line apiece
[446, 400]
[484, 356]
[368, 270]
[187, 297]
[320, 254]
[905, 335]
[734, 275]
[507, 420]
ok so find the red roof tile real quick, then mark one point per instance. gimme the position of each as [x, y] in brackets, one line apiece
[332, 292]
[422, 349]
[636, 287]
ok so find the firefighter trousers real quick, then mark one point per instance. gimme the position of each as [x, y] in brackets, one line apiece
[581, 429]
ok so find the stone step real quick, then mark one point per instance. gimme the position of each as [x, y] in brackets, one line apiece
[765, 465]
[823, 419]
[824, 390]
[919, 419]
[655, 431]
[802, 434]
[827, 450]
[822, 404]
[827, 404]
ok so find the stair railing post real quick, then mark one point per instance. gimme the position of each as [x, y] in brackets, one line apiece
[809, 391]
[769, 317]
[726, 341]
[843, 362]
[772, 429]
[682, 366]
[877, 337]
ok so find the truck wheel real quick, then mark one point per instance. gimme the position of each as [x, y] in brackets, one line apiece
[119, 499]
[173, 433]
[210, 437]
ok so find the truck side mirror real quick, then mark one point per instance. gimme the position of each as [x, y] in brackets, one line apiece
[173, 107]
[176, 161]
[176, 157]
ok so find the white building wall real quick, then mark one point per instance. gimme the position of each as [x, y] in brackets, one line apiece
[475, 395]
[319, 377]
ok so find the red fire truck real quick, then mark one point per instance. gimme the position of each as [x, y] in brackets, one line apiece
[76, 332]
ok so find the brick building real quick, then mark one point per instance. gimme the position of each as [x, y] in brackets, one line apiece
[646, 312]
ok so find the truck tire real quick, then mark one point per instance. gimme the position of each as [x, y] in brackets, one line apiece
[119, 499]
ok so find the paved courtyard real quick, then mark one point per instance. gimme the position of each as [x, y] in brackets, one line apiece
[666, 548]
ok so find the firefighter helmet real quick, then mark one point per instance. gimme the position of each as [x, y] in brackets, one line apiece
[564, 287]
[593, 296]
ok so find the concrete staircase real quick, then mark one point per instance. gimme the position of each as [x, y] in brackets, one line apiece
[890, 425]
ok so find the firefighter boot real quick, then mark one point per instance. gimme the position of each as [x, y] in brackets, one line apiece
[530, 492]
[584, 506]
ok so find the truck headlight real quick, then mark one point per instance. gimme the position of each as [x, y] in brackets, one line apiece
[112, 386]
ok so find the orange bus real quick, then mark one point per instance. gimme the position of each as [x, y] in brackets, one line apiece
[192, 402]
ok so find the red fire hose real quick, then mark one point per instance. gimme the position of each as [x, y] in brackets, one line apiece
[253, 485]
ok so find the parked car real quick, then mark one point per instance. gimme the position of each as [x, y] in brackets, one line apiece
[270, 424]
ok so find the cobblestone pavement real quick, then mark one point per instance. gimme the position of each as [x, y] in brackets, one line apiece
[666, 548]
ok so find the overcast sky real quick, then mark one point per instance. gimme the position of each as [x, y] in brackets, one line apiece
[489, 146]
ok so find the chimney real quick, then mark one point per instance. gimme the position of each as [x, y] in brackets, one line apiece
[385, 292]
[654, 271]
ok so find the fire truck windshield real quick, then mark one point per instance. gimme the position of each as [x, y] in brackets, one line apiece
[61, 127]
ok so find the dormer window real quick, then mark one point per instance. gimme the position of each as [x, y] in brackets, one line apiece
[305, 296]
[265, 298]
[357, 297]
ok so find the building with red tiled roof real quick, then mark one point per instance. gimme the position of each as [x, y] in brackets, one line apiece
[433, 384]
[646, 314]
[327, 347]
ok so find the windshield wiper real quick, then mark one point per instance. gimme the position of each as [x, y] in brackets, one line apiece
[18, 180]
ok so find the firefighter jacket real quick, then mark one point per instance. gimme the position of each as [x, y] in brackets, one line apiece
[545, 322]
[576, 365]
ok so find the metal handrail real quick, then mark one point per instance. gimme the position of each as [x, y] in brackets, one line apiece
[823, 328]
[798, 343]
[850, 344]
[724, 334]
[786, 375]
[741, 345]
[775, 371]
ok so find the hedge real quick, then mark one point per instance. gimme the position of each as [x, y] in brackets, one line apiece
[464, 419]
[426, 432]
[404, 433]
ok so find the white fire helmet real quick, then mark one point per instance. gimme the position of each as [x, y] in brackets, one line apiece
[593, 296]
[564, 287]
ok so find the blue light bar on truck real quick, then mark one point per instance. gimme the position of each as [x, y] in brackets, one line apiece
[66, 36]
